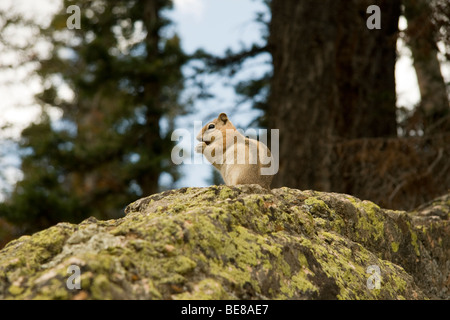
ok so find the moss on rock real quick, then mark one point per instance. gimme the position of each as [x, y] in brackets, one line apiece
[224, 242]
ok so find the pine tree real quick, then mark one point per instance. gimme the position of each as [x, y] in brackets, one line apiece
[109, 147]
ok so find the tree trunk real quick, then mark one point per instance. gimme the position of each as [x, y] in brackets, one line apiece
[421, 39]
[152, 92]
[333, 79]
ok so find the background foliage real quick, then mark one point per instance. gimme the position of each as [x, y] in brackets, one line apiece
[330, 91]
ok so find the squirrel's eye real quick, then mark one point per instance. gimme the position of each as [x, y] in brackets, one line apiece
[211, 126]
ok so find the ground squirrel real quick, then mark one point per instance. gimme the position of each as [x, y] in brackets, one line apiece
[239, 159]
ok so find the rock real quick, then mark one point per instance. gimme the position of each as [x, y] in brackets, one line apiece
[240, 242]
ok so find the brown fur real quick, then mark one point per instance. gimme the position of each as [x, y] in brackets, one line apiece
[235, 173]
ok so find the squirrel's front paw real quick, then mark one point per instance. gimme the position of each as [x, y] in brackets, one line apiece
[200, 147]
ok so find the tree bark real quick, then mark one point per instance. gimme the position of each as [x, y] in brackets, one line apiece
[333, 79]
[421, 39]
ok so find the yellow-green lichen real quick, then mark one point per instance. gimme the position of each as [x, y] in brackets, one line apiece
[212, 243]
[206, 289]
[394, 246]
[226, 193]
[323, 214]
[317, 205]
[414, 242]
[101, 288]
[298, 284]
[370, 221]
[15, 290]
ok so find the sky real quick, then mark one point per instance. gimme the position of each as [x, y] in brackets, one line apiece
[213, 25]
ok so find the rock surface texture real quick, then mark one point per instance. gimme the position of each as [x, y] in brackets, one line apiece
[240, 242]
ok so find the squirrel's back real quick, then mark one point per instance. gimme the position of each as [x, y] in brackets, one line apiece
[243, 158]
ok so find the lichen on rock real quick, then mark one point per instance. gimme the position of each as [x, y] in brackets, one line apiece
[240, 242]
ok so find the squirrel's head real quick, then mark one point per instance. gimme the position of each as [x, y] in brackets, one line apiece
[215, 129]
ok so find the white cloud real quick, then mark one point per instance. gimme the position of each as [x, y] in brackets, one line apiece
[18, 84]
[38, 11]
[408, 93]
[194, 8]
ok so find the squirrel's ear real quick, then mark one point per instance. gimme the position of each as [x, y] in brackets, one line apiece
[223, 117]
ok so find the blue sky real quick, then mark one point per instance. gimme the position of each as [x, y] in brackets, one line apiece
[216, 25]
